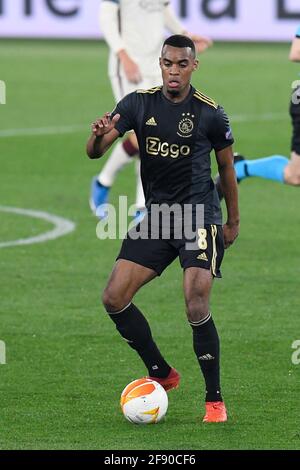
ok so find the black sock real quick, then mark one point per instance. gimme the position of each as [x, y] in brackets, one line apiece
[207, 350]
[134, 328]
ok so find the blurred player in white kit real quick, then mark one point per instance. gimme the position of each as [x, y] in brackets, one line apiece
[134, 31]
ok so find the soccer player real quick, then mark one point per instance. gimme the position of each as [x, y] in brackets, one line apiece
[176, 169]
[277, 167]
[134, 31]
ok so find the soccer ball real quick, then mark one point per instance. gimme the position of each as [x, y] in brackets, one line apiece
[144, 401]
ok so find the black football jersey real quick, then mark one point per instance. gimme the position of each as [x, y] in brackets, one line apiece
[175, 142]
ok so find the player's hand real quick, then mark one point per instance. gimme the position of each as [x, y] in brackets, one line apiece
[131, 69]
[231, 232]
[201, 42]
[104, 124]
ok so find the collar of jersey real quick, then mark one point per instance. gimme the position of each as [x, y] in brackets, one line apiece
[187, 98]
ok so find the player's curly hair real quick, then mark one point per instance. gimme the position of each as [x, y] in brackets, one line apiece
[178, 40]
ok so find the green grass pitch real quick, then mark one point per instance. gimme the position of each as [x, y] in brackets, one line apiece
[66, 365]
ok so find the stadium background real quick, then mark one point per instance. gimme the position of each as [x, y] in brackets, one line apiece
[65, 365]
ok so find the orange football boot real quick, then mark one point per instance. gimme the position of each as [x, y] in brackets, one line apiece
[172, 381]
[215, 412]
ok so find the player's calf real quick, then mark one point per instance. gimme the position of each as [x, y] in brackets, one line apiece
[135, 330]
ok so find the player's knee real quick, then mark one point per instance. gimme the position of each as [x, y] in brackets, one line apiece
[106, 300]
[113, 301]
[292, 171]
[293, 179]
[197, 308]
[296, 179]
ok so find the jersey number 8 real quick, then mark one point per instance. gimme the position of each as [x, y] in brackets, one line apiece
[202, 242]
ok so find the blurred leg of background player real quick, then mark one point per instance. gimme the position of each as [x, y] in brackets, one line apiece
[275, 167]
[122, 154]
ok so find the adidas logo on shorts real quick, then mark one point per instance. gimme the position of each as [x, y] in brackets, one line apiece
[202, 257]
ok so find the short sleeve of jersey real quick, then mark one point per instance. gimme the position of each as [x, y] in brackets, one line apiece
[298, 32]
[127, 108]
[221, 134]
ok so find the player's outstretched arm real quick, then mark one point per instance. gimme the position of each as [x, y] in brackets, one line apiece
[230, 191]
[131, 68]
[103, 135]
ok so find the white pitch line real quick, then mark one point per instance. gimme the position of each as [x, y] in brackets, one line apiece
[51, 130]
[56, 130]
[240, 118]
[62, 226]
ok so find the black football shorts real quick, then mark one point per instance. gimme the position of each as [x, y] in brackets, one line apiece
[205, 251]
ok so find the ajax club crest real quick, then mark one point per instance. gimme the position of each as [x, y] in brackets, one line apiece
[186, 125]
